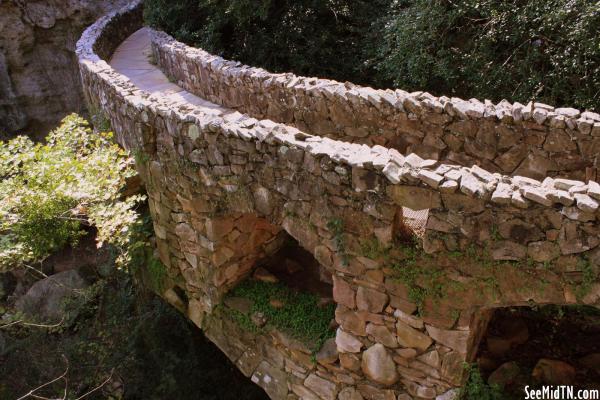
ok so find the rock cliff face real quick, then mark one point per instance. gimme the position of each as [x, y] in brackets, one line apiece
[39, 78]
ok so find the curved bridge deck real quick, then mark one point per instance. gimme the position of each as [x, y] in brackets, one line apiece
[133, 59]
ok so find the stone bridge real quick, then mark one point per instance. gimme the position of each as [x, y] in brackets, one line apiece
[501, 199]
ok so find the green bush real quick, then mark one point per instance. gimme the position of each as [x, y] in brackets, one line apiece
[517, 49]
[310, 37]
[51, 190]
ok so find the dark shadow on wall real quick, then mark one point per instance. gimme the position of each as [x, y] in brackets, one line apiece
[541, 345]
[299, 270]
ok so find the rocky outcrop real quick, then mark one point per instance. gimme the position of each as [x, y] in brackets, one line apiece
[39, 80]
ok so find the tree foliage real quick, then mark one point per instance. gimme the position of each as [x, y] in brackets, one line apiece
[310, 37]
[517, 49]
[50, 190]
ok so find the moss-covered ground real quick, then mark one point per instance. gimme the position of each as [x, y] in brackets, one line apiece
[300, 314]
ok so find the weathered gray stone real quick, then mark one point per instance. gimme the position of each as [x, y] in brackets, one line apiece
[410, 337]
[349, 394]
[413, 321]
[586, 203]
[538, 195]
[456, 340]
[430, 178]
[273, 380]
[594, 190]
[502, 194]
[505, 375]
[370, 300]
[44, 301]
[377, 364]
[471, 186]
[343, 292]
[414, 197]
[382, 335]
[346, 343]
[325, 389]
[554, 372]
[507, 250]
[263, 200]
[452, 394]
[304, 393]
[328, 353]
[543, 251]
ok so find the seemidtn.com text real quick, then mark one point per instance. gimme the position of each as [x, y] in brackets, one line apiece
[561, 393]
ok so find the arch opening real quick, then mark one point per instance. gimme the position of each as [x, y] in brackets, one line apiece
[298, 269]
[290, 292]
[539, 345]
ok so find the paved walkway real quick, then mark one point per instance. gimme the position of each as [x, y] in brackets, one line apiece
[132, 59]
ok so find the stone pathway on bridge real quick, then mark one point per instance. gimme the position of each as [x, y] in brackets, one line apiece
[133, 59]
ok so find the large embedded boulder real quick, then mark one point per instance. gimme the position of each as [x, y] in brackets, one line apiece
[45, 300]
[378, 365]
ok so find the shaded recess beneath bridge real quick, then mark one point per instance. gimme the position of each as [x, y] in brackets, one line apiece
[298, 269]
[542, 345]
[288, 293]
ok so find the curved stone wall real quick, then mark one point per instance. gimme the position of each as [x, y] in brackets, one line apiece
[222, 186]
[533, 140]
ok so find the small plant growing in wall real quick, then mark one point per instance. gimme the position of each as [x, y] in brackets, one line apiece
[477, 389]
[336, 226]
[374, 249]
[99, 120]
[495, 233]
[588, 276]
[140, 156]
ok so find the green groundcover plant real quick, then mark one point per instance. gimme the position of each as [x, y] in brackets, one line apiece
[50, 191]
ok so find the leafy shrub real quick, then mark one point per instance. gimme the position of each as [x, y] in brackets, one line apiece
[517, 49]
[50, 190]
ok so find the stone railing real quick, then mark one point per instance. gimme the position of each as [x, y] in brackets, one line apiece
[533, 140]
[222, 187]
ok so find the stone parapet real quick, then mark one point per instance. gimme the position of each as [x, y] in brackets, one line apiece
[534, 140]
